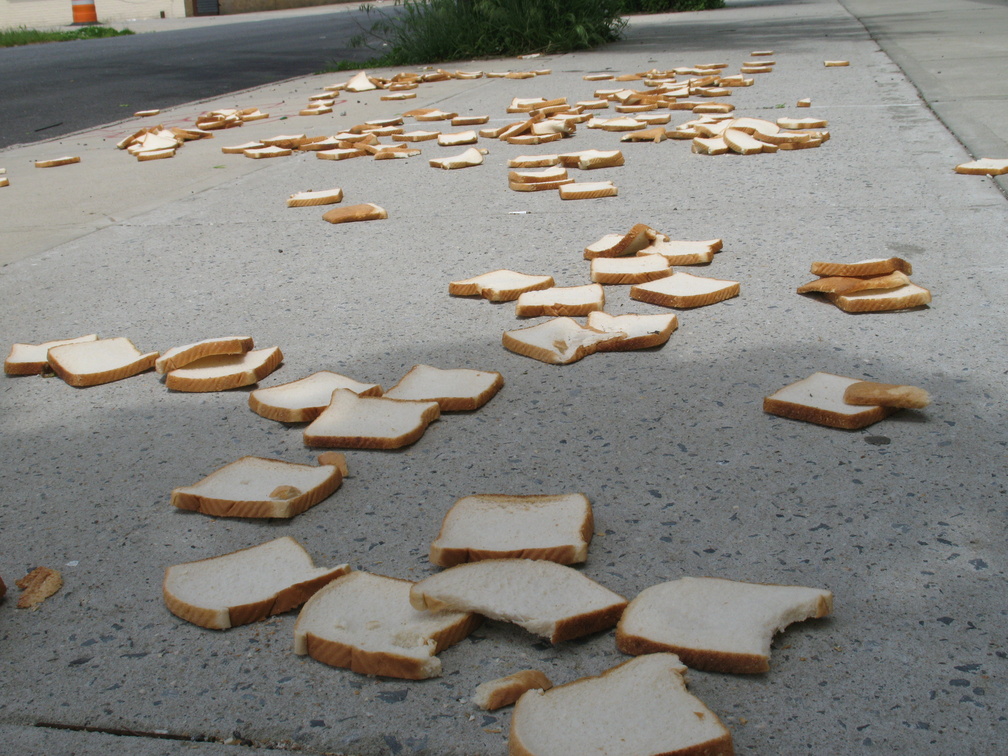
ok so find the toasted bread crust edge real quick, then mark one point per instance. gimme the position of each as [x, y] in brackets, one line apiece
[818, 416]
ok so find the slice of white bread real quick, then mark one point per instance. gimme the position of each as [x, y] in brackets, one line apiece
[504, 691]
[33, 359]
[684, 290]
[854, 284]
[642, 331]
[629, 270]
[623, 245]
[883, 300]
[468, 159]
[534, 161]
[588, 190]
[303, 400]
[715, 624]
[499, 285]
[558, 341]
[561, 301]
[819, 399]
[454, 389]
[362, 212]
[457, 139]
[588, 160]
[245, 586]
[258, 487]
[873, 267]
[984, 167]
[558, 528]
[543, 597]
[370, 422]
[684, 252]
[181, 356]
[225, 372]
[365, 623]
[90, 363]
[871, 393]
[640, 708]
[315, 198]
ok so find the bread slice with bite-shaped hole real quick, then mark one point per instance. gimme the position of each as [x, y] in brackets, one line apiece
[558, 341]
[819, 399]
[883, 300]
[180, 356]
[639, 708]
[684, 291]
[33, 359]
[246, 585]
[225, 372]
[684, 252]
[543, 597]
[370, 422]
[303, 400]
[259, 487]
[629, 270]
[561, 301]
[365, 623]
[504, 691]
[91, 363]
[499, 285]
[642, 331]
[872, 393]
[715, 624]
[558, 528]
[454, 389]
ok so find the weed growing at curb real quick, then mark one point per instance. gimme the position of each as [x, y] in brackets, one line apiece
[15, 37]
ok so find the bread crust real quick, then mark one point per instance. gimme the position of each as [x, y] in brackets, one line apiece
[429, 412]
[141, 363]
[504, 691]
[819, 416]
[269, 360]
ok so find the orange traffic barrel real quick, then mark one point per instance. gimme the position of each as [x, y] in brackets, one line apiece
[84, 12]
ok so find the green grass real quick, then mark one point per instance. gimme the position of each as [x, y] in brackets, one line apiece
[23, 36]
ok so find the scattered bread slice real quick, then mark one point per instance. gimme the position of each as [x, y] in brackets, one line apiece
[684, 252]
[365, 623]
[534, 161]
[271, 151]
[684, 290]
[458, 139]
[303, 400]
[984, 167]
[314, 198]
[358, 422]
[32, 359]
[836, 63]
[588, 190]
[492, 526]
[468, 159]
[499, 285]
[854, 284]
[714, 624]
[588, 160]
[639, 708]
[819, 399]
[180, 356]
[37, 586]
[558, 341]
[90, 363]
[57, 162]
[455, 390]
[546, 175]
[245, 586]
[225, 372]
[629, 270]
[363, 212]
[561, 301]
[259, 487]
[641, 331]
[504, 691]
[885, 300]
[637, 238]
[870, 393]
[543, 597]
[863, 268]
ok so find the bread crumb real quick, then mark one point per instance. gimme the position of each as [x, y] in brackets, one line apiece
[37, 586]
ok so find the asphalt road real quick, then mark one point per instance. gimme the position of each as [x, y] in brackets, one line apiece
[54, 89]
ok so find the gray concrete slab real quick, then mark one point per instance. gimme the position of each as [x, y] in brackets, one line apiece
[688, 476]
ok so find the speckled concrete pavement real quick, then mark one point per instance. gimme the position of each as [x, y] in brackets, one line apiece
[903, 521]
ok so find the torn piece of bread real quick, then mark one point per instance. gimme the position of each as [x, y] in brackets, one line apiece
[871, 393]
[639, 708]
[863, 268]
[884, 300]
[984, 167]
[499, 285]
[362, 212]
[245, 586]
[53, 163]
[180, 356]
[588, 190]
[588, 160]
[561, 301]
[543, 597]
[637, 238]
[853, 284]
[468, 159]
[629, 270]
[91, 363]
[369, 422]
[504, 691]
[454, 389]
[684, 252]
[259, 487]
[37, 586]
[315, 198]
[558, 341]
[32, 359]
[225, 372]
[558, 528]
[684, 290]
[457, 139]
[641, 331]
[819, 399]
[715, 624]
[365, 623]
[303, 400]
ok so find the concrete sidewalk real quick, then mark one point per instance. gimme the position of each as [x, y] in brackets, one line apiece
[903, 521]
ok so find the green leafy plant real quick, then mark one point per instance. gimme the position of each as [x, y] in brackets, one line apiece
[15, 37]
[669, 6]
